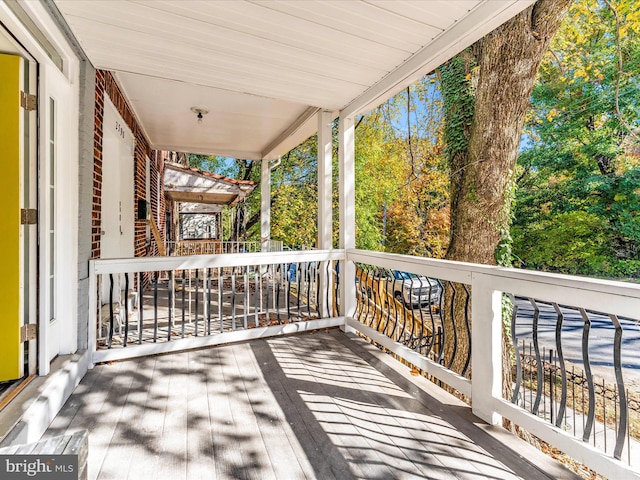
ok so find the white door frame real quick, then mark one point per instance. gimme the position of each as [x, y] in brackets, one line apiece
[64, 86]
[30, 199]
[58, 110]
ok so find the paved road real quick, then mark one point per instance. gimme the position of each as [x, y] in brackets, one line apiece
[600, 339]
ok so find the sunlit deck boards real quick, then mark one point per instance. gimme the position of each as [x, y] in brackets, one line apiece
[307, 406]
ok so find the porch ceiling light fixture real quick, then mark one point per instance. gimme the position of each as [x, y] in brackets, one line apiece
[200, 112]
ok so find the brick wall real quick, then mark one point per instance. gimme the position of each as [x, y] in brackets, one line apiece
[97, 166]
[106, 85]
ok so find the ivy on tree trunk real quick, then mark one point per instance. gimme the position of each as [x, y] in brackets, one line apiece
[486, 91]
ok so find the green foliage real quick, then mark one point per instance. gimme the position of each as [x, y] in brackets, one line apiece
[402, 186]
[401, 192]
[573, 242]
[211, 163]
[378, 177]
[577, 202]
[294, 196]
[504, 251]
[294, 215]
[581, 160]
[459, 101]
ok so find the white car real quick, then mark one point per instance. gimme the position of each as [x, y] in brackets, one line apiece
[415, 290]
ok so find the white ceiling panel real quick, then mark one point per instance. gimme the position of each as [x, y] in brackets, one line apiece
[441, 14]
[231, 47]
[266, 23]
[236, 123]
[264, 67]
[361, 22]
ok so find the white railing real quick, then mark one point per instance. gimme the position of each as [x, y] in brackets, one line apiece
[211, 247]
[484, 388]
[153, 305]
[486, 285]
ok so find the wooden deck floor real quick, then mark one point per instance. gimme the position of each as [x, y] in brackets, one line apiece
[322, 405]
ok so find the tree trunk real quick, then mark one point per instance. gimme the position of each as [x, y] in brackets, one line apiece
[486, 91]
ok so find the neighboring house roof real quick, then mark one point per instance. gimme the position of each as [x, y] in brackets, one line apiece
[187, 184]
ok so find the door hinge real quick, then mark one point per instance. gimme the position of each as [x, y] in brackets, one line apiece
[28, 101]
[28, 216]
[28, 332]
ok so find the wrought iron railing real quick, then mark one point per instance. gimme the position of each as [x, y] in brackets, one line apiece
[411, 310]
[556, 347]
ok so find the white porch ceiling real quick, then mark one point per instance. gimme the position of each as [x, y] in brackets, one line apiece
[263, 68]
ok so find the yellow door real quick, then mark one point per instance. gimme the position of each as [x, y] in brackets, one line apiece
[11, 349]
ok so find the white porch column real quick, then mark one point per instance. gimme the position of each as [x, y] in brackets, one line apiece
[347, 196]
[265, 205]
[325, 212]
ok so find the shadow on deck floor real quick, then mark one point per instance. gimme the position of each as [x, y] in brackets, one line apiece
[320, 405]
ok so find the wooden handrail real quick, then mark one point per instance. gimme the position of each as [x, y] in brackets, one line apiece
[156, 234]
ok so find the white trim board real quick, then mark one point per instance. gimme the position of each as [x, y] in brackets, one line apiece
[44, 398]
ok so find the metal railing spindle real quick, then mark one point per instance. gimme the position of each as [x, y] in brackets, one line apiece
[155, 307]
[126, 309]
[110, 333]
[587, 366]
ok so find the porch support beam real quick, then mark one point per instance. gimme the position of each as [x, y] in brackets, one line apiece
[265, 205]
[286, 140]
[346, 159]
[222, 152]
[325, 213]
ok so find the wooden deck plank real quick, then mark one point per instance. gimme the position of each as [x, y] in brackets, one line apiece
[200, 447]
[231, 459]
[125, 448]
[129, 442]
[91, 408]
[145, 455]
[103, 436]
[320, 405]
[360, 408]
[363, 459]
[240, 378]
[514, 459]
[63, 421]
[82, 410]
[282, 447]
[326, 460]
[393, 411]
[119, 454]
[391, 439]
[173, 444]
[453, 450]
